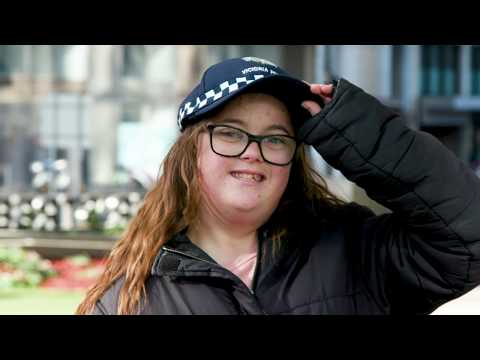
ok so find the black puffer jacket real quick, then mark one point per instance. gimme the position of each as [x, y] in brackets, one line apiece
[349, 261]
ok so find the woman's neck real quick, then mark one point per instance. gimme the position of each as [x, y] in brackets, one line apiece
[223, 242]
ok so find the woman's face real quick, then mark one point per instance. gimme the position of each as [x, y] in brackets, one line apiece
[246, 188]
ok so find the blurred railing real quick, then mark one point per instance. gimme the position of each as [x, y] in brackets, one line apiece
[58, 225]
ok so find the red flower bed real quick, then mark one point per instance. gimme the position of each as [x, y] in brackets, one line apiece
[75, 273]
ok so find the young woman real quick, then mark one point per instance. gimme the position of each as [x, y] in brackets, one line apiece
[240, 223]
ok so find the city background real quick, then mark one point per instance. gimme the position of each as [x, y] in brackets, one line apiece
[84, 128]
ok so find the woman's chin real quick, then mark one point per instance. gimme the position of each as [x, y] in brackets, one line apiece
[246, 206]
[245, 200]
[244, 214]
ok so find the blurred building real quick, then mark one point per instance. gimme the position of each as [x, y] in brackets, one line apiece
[110, 110]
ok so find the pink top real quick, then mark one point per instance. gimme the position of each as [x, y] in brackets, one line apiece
[244, 267]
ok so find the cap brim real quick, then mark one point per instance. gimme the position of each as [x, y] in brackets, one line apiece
[292, 92]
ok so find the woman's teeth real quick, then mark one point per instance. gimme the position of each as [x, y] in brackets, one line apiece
[255, 177]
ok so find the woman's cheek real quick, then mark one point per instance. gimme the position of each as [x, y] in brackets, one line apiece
[280, 178]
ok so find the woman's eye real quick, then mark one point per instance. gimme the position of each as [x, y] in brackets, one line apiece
[276, 140]
[230, 134]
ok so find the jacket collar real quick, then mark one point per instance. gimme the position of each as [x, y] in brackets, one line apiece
[180, 256]
[171, 257]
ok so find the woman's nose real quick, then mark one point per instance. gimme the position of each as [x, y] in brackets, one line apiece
[252, 152]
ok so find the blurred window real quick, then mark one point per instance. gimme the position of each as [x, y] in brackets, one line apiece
[476, 70]
[440, 70]
[11, 60]
[397, 67]
[134, 60]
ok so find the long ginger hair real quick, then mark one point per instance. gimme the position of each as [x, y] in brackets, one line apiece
[172, 205]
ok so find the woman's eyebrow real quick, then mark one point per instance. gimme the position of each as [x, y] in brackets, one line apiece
[278, 127]
[244, 123]
[234, 121]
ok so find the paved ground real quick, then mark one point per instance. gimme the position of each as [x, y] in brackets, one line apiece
[468, 304]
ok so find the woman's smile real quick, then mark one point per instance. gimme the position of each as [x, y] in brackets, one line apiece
[249, 177]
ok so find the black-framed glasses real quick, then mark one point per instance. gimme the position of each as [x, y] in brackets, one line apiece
[229, 141]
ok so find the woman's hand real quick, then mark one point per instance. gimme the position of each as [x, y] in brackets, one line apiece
[324, 91]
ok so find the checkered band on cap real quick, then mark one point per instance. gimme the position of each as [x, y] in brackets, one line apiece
[215, 94]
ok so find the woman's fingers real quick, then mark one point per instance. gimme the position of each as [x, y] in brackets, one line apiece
[325, 91]
[312, 107]
[322, 90]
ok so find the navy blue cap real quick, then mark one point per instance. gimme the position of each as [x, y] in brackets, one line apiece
[230, 78]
